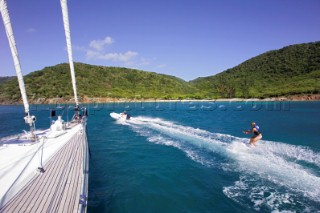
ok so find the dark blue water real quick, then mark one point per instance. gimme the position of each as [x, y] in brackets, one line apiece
[190, 157]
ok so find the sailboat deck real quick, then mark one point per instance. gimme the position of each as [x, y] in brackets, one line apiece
[58, 189]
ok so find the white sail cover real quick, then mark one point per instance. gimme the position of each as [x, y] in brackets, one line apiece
[65, 16]
[14, 52]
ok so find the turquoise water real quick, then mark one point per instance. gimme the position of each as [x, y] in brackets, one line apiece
[190, 157]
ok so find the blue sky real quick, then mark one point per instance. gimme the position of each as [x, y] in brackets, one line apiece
[185, 38]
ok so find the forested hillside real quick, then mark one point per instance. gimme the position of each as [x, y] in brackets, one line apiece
[4, 79]
[98, 81]
[291, 70]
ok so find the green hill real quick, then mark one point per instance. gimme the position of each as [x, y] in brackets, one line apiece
[291, 70]
[6, 78]
[97, 81]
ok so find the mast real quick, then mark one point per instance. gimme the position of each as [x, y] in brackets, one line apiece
[7, 23]
[65, 17]
[14, 52]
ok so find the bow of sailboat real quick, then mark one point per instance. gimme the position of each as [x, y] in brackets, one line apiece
[45, 170]
[65, 173]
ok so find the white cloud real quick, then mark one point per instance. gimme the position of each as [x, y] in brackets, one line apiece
[123, 57]
[91, 54]
[144, 62]
[96, 51]
[161, 66]
[31, 30]
[100, 44]
[117, 57]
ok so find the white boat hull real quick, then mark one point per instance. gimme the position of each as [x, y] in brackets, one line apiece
[118, 116]
[21, 158]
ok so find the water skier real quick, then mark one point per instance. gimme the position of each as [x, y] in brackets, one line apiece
[256, 133]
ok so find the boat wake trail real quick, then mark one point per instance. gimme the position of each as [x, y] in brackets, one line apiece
[272, 176]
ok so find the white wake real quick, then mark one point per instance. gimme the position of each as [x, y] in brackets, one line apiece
[272, 174]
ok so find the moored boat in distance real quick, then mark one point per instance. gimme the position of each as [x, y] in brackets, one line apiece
[44, 170]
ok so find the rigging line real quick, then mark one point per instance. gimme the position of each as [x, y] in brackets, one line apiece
[66, 24]
[14, 52]
[40, 168]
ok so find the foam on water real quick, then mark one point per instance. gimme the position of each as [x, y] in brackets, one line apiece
[273, 176]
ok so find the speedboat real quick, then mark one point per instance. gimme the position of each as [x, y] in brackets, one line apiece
[120, 116]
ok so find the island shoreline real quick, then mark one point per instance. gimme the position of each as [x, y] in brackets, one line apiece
[88, 100]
